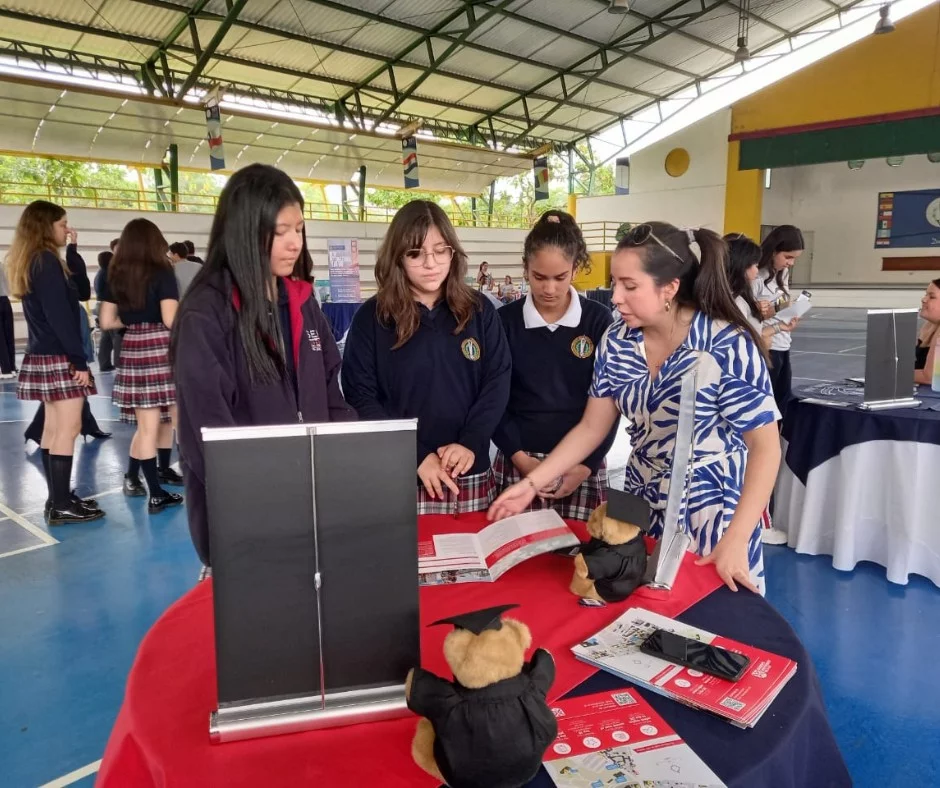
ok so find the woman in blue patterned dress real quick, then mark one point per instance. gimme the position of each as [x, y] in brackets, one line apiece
[676, 313]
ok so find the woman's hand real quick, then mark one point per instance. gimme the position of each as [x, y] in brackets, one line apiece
[456, 459]
[788, 327]
[435, 478]
[730, 560]
[571, 481]
[82, 377]
[513, 500]
[766, 309]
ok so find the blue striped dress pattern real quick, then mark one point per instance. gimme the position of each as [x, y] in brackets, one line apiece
[733, 396]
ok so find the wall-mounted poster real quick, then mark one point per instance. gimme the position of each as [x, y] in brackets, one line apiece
[909, 219]
[343, 258]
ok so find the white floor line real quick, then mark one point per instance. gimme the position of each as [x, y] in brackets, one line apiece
[21, 521]
[822, 353]
[94, 495]
[74, 777]
[858, 347]
[24, 550]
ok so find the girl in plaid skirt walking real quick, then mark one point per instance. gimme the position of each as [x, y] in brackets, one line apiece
[141, 295]
[54, 370]
[428, 346]
[552, 334]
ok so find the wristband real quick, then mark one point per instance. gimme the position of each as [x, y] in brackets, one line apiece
[531, 484]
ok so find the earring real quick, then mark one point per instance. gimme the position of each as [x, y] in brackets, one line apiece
[668, 306]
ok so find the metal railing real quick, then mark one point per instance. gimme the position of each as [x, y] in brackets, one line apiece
[133, 199]
[600, 236]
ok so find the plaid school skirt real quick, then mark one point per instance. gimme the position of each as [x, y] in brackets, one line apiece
[477, 492]
[144, 378]
[577, 506]
[49, 379]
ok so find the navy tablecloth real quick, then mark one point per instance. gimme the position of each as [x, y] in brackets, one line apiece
[816, 433]
[791, 747]
[601, 295]
[340, 314]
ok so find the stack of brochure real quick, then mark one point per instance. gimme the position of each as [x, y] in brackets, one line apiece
[618, 739]
[616, 649]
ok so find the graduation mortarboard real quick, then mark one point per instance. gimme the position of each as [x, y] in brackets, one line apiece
[478, 620]
[628, 508]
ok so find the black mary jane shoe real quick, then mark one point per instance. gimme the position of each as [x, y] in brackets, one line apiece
[73, 514]
[88, 503]
[133, 487]
[97, 434]
[170, 477]
[164, 500]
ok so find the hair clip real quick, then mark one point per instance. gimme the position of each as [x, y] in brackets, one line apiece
[694, 245]
[553, 218]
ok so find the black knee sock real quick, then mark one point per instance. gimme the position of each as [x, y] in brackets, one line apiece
[149, 467]
[164, 458]
[45, 467]
[60, 469]
[133, 468]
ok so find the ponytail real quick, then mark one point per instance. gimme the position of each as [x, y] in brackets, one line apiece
[558, 230]
[698, 259]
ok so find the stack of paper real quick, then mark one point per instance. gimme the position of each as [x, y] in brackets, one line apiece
[616, 649]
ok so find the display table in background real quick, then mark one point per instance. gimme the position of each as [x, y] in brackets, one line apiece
[859, 485]
[340, 314]
[161, 735]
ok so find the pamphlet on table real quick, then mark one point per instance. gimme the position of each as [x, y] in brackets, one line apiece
[488, 554]
[617, 738]
[616, 649]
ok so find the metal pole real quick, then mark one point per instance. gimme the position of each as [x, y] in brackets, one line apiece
[362, 193]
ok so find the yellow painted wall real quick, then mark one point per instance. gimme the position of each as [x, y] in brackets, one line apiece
[896, 72]
[598, 276]
[744, 196]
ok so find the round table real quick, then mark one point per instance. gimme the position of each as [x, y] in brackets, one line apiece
[856, 484]
[161, 736]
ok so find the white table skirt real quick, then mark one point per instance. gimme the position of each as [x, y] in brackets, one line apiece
[876, 501]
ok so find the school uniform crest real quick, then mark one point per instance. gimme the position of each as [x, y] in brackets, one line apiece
[471, 349]
[582, 346]
[313, 337]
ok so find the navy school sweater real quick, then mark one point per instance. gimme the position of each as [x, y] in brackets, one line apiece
[456, 386]
[51, 307]
[551, 376]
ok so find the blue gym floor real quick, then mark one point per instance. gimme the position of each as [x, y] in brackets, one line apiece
[73, 612]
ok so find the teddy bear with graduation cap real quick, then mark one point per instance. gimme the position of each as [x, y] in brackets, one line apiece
[491, 726]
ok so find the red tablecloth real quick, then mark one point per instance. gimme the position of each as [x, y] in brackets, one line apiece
[161, 736]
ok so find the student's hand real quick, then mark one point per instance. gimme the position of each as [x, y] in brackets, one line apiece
[571, 481]
[513, 500]
[435, 478]
[456, 459]
[524, 463]
[73, 235]
[788, 327]
[82, 377]
[766, 309]
[730, 560]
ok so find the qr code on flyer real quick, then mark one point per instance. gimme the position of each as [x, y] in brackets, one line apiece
[623, 699]
[734, 705]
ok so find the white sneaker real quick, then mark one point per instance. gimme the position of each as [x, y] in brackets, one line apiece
[773, 536]
[7, 375]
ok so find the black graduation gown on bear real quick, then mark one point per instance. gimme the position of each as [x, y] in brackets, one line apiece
[616, 569]
[493, 737]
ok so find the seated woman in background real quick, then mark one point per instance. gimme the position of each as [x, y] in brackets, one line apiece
[743, 258]
[428, 346]
[929, 334]
[677, 314]
[552, 335]
[250, 346]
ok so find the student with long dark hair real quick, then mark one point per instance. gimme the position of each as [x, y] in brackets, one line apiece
[779, 252]
[552, 335]
[250, 345]
[428, 346]
[141, 296]
[54, 370]
[677, 314]
[743, 259]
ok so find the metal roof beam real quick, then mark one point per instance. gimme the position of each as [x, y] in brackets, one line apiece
[757, 18]
[159, 54]
[234, 9]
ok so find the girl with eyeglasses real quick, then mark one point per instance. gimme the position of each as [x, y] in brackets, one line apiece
[552, 334]
[677, 314]
[428, 346]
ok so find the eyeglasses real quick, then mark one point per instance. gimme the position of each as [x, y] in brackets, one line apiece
[439, 254]
[642, 233]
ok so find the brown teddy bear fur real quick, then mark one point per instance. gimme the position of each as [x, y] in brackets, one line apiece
[476, 661]
[608, 530]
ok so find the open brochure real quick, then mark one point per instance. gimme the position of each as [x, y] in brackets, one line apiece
[486, 555]
[616, 649]
[797, 309]
[617, 738]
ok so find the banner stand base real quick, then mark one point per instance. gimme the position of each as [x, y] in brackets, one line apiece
[890, 404]
[255, 720]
